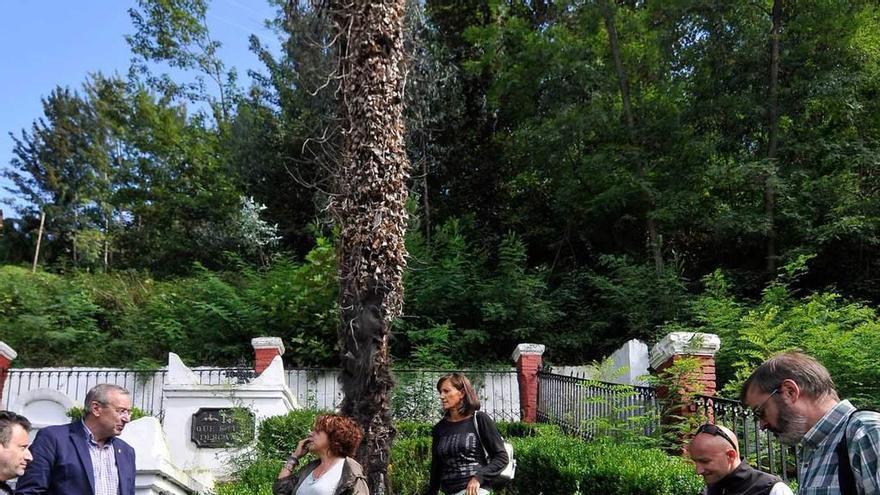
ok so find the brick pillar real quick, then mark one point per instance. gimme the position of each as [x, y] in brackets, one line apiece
[528, 361]
[674, 347]
[265, 350]
[7, 355]
[700, 346]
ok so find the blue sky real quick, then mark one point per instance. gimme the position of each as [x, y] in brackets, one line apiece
[46, 43]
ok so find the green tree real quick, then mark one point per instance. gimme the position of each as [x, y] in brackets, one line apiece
[176, 32]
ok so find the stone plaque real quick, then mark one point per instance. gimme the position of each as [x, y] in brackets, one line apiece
[221, 427]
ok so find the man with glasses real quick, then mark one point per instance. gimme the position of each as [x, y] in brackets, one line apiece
[84, 457]
[793, 396]
[715, 452]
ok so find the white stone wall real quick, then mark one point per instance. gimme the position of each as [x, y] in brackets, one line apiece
[627, 365]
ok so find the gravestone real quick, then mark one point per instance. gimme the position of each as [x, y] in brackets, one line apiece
[205, 452]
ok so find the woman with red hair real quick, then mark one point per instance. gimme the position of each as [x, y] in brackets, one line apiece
[333, 440]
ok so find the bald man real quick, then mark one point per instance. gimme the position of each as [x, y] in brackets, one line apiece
[715, 452]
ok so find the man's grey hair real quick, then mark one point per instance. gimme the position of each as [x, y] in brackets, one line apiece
[8, 420]
[811, 377]
[101, 394]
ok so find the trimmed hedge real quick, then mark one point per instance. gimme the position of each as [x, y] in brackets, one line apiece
[548, 463]
[556, 465]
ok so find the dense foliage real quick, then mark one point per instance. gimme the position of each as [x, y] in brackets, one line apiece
[584, 173]
[547, 462]
[209, 317]
[842, 334]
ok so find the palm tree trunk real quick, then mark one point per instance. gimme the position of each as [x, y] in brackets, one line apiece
[370, 210]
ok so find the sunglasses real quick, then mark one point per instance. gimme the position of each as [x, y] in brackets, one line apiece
[711, 429]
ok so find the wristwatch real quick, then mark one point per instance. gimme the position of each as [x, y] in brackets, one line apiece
[291, 462]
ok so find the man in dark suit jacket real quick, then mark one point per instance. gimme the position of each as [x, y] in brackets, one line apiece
[84, 457]
[15, 453]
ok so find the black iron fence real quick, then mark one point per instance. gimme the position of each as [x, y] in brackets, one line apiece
[414, 398]
[587, 408]
[761, 448]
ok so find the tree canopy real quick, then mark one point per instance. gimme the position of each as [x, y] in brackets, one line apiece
[578, 168]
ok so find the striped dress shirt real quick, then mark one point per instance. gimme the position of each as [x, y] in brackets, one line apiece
[817, 472]
[103, 465]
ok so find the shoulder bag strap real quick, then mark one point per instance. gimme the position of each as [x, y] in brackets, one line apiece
[479, 438]
[846, 480]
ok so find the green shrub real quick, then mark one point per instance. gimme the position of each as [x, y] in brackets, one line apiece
[254, 479]
[278, 435]
[410, 465]
[551, 465]
[555, 464]
[523, 430]
[207, 318]
[411, 429]
[547, 462]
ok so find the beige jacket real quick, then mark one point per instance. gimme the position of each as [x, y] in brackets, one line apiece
[352, 482]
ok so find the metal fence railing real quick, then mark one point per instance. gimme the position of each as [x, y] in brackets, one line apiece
[585, 407]
[761, 448]
[414, 397]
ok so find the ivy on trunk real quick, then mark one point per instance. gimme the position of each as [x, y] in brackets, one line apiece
[370, 211]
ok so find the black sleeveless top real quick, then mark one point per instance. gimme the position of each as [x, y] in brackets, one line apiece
[744, 480]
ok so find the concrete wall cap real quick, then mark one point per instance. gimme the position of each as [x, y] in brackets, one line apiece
[179, 373]
[7, 352]
[273, 374]
[684, 344]
[527, 349]
[268, 343]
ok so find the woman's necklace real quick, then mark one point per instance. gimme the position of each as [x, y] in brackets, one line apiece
[318, 472]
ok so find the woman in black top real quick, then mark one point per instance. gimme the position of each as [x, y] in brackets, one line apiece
[460, 464]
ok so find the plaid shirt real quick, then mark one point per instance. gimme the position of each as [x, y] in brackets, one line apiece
[103, 465]
[817, 472]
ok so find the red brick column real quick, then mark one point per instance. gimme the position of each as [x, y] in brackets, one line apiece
[7, 355]
[680, 345]
[265, 350]
[699, 346]
[528, 361]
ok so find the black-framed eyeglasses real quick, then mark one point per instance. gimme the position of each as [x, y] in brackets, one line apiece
[759, 411]
[711, 429]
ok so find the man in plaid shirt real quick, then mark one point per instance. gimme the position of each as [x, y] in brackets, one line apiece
[793, 396]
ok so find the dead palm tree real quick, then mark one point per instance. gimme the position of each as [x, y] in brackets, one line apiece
[369, 206]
